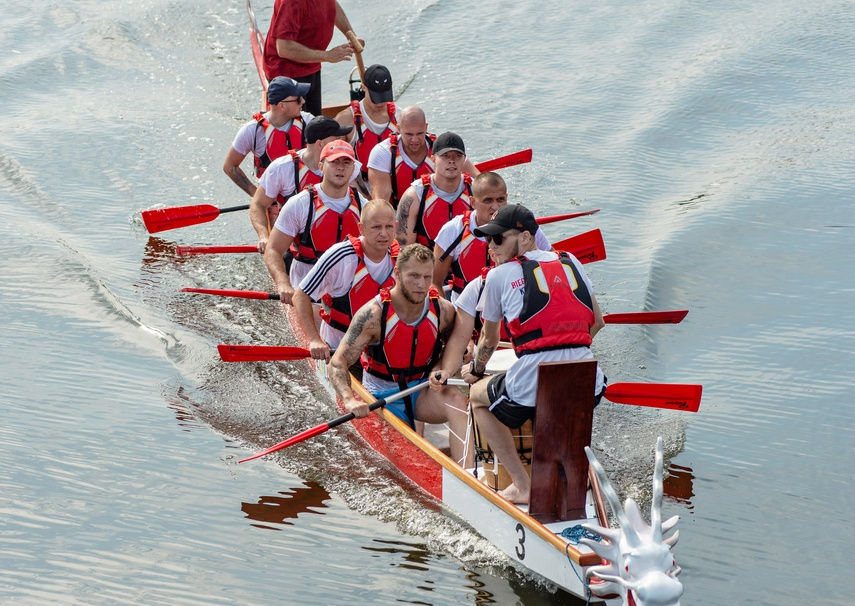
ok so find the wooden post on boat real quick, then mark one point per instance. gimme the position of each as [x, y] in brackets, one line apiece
[564, 418]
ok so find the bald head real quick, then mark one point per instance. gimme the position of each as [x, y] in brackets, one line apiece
[372, 207]
[488, 180]
[413, 115]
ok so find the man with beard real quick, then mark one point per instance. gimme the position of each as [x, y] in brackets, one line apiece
[314, 220]
[346, 277]
[400, 336]
[552, 315]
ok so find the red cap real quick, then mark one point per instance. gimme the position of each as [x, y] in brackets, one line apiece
[337, 149]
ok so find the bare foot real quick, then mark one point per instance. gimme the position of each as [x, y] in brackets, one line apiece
[515, 495]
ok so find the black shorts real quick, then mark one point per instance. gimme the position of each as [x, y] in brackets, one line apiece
[509, 412]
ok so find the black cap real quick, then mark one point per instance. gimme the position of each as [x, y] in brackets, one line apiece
[447, 142]
[281, 88]
[378, 82]
[510, 216]
[321, 127]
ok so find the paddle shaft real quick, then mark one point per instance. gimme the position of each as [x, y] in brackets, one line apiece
[324, 427]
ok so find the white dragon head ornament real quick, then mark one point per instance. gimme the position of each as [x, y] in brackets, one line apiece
[638, 564]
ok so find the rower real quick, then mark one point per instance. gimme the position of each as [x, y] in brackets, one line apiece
[459, 250]
[400, 336]
[433, 200]
[552, 315]
[270, 135]
[291, 173]
[346, 277]
[374, 118]
[401, 159]
[315, 219]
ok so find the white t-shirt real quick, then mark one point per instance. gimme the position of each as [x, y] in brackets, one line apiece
[247, 140]
[467, 300]
[449, 232]
[292, 221]
[381, 157]
[333, 275]
[503, 297]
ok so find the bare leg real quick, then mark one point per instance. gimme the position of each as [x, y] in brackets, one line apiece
[501, 443]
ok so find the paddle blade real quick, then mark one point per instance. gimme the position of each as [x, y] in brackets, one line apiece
[587, 247]
[554, 218]
[212, 250]
[240, 294]
[520, 157]
[300, 437]
[260, 353]
[674, 396]
[674, 316]
[161, 219]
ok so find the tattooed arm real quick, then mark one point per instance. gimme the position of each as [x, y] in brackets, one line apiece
[231, 166]
[408, 208]
[487, 344]
[364, 329]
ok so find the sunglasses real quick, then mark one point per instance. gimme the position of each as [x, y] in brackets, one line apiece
[498, 238]
[297, 100]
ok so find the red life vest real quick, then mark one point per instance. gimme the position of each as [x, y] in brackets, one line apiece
[402, 173]
[367, 138]
[325, 227]
[278, 143]
[434, 212]
[473, 259]
[404, 353]
[557, 311]
[339, 311]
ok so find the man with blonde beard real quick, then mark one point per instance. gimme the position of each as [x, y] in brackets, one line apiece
[400, 336]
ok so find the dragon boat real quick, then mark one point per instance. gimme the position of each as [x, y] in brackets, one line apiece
[564, 535]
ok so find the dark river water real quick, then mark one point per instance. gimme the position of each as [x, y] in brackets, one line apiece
[715, 136]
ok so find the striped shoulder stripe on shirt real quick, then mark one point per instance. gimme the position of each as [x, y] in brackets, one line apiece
[326, 263]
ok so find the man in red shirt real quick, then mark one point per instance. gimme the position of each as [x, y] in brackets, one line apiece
[297, 40]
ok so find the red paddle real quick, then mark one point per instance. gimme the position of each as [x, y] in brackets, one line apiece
[241, 294]
[587, 247]
[161, 219]
[207, 250]
[261, 353]
[520, 157]
[674, 316]
[674, 396]
[554, 218]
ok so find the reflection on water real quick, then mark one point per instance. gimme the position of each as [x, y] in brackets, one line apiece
[678, 485]
[279, 509]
